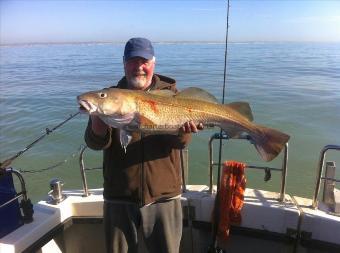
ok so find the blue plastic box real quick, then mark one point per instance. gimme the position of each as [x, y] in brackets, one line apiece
[10, 215]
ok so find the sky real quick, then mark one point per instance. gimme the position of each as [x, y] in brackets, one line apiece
[51, 21]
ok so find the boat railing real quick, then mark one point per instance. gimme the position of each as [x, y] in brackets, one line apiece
[82, 171]
[283, 169]
[319, 176]
[184, 169]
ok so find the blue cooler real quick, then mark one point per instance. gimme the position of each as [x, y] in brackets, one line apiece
[10, 215]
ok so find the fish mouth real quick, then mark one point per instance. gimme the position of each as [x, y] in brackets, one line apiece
[86, 107]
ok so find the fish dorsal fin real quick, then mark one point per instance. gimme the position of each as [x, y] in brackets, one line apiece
[165, 93]
[197, 93]
[243, 108]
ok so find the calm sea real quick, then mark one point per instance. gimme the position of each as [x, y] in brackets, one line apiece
[294, 87]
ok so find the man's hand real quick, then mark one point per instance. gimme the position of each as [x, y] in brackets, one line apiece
[98, 126]
[190, 127]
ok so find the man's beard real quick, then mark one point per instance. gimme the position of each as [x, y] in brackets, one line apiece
[137, 82]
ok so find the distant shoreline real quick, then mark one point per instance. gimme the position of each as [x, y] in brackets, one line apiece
[156, 42]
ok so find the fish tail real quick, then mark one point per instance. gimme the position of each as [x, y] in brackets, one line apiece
[269, 142]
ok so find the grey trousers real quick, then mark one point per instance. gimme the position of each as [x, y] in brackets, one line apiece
[160, 224]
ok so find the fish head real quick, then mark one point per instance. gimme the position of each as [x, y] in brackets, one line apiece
[111, 102]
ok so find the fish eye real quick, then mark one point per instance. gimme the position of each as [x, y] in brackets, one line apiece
[102, 95]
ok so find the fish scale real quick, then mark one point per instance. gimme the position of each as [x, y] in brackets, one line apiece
[172, 111]
[161, 112]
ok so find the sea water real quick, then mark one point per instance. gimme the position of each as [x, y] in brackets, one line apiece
[293, 87]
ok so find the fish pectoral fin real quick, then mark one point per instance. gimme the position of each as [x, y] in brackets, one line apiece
[125, 138]
[242, 108]
[198, 94]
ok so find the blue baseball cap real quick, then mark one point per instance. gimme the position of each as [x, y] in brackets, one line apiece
[138, 47]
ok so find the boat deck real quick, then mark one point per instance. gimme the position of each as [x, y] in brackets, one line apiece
[75, 225]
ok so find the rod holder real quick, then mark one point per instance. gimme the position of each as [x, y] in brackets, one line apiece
[56, 192]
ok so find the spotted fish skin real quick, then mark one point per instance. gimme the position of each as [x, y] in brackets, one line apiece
[163, 112]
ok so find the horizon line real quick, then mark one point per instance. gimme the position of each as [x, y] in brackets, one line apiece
[159, 42]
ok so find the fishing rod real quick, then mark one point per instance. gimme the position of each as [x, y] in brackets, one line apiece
[7, 162]
[213, 247]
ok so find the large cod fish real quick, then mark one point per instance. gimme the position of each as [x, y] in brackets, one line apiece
[162, 111]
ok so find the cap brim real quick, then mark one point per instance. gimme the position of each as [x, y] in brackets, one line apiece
[144, 55]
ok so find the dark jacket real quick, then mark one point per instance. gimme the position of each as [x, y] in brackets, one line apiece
[149, 171]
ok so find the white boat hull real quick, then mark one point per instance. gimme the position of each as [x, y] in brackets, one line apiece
[75, 224]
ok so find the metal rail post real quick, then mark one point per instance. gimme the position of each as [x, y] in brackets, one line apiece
[319, 172]
[82, 172]
[283, 169]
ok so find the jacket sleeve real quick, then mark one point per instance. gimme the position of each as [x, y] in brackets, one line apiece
[181, 141]
[94, 141]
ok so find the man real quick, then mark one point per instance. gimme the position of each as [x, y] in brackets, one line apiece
[142, 185]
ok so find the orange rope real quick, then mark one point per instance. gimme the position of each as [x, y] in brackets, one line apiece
[231, 196]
